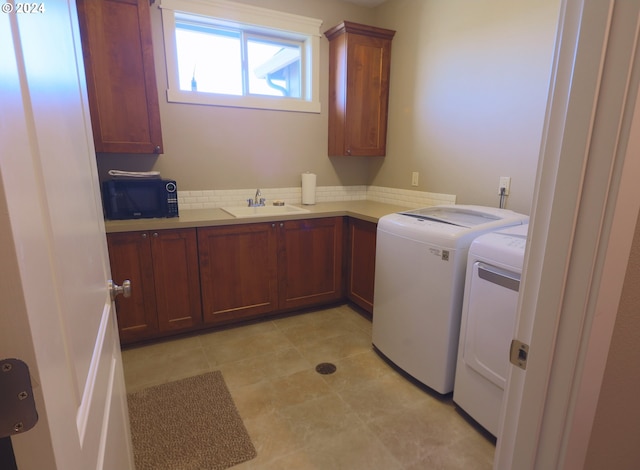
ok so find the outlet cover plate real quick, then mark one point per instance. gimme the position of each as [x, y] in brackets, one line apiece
[505, 182]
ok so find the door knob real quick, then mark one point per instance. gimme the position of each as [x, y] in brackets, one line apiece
[115, 290]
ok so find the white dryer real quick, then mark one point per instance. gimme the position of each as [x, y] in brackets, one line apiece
[489, 310]
[421, 257]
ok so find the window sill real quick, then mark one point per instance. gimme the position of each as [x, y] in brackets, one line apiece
[212, 99]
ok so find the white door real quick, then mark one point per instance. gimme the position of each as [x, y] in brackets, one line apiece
[585, 210]
[55, 311]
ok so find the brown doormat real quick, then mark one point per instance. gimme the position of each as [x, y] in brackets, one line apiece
[189, 424]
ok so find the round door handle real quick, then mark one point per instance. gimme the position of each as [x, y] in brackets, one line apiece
[115, 290]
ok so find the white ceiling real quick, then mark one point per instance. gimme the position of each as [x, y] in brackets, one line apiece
[366, 3]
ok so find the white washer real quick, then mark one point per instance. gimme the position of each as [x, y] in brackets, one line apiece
[421, 258]
[489, 310]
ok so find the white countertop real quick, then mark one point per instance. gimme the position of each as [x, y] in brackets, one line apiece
[366, 210]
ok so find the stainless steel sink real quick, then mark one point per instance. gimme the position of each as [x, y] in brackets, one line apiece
[263, 211]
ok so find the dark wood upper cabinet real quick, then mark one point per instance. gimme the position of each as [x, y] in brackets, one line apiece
[359, 69]
[121, 81]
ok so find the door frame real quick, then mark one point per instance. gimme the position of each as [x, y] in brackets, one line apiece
[585, 211]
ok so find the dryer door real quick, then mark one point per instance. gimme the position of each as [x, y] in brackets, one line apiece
[491, 318]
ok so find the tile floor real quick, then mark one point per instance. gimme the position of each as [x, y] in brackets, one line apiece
[364, 416]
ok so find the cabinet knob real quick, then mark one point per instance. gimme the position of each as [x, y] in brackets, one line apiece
[155, 234]
[157, 149]
[273, 225]
[144, 235]
[281, 224]
[348, 151]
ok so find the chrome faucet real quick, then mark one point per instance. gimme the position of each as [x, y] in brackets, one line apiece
[257, 200]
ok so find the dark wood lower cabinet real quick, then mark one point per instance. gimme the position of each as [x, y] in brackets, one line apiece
[361, 263]
[238, 271]
[130, 258]
[255, 269]
[177, 280]
[162, 266]
[310, 262]
[192, 278]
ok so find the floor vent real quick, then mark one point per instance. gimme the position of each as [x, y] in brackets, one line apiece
[325, 368]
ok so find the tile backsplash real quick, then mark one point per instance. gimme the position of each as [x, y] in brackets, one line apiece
[209, 199]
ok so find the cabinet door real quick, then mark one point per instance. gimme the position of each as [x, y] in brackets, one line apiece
[310, 262]
[121, 81]
[177, 279]
[238, 271]
[368, 63]
[362, 261]
[130, 258]
[359, 68]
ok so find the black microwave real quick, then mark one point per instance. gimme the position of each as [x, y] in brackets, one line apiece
[139, 198]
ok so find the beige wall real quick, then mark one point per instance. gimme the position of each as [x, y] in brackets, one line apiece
[616, 428]
[469, 87]
[469, 82]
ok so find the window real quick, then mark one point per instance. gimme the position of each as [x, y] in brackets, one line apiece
[232, 54]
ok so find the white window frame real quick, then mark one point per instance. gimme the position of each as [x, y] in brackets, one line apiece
[242, 15]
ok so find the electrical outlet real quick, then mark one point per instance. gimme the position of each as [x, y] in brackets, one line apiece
[414, 178]
[505, 182]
